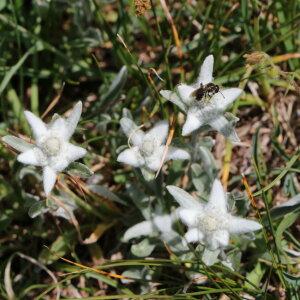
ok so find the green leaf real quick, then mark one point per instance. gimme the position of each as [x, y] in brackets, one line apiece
[255, 276]
[286, 222]
[141, 200]
[37, 209]
[17, 143]
[143, 248]
[147, 174]
[30, 170]
[14, 69]
[258, 156]
[79, 170]
[116, 87]
[210, 257]
[292, 280]
[58, 248]
[285, 208]
[106, 193]
[132, 274]
[2, 4]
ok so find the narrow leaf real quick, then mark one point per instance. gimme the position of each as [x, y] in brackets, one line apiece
[79, 170]
[17, 143]
[106, 193]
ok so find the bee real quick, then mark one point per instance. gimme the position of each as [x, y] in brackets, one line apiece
[206, 90]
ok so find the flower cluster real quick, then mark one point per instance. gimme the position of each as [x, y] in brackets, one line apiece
[209, 224]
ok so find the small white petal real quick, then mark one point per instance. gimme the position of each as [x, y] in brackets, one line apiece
[154, 161]
[37, 125]
[173, 97]
[131, 157]
[217, 199]
[147, 174]
[189, 217]
[170, 237]
[159, 132]
[59, 126]
[193, 235]
[74, 152]
[222, 125]
[192, 123]
[177, 153]
[127, 125]
[73, 119]
[185, 93]
[17, 143]
[223, 99]
[210, 257]
[30, 157]
[132, 131]
[49, 178]
[219, 239]
[238, 225]
[163, 223]
[183, 198]
[140, 229]
[57, 123]
[206, 71]
[58, 163]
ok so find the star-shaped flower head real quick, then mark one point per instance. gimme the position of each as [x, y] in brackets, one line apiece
[148, 148]
[210, 224]
[205, 108]
[52, 150]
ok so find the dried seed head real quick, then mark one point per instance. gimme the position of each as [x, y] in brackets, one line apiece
[256, 57]
[141, 6]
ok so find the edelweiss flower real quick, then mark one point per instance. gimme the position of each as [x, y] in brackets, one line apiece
[52, 149]
[209, 110]
[210, 223]
[148, 148]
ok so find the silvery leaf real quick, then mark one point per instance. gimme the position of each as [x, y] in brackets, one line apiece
[210, 257]
[106, 193]
[37, 209]
[143, 248]
[132, 273]
[29, 170]
[126, 113]
[147, 174]
[286, 207]
[116, 86]
[79, 170]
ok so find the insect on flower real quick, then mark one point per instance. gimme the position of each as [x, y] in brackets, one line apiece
[204, 103]
[206, 91]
